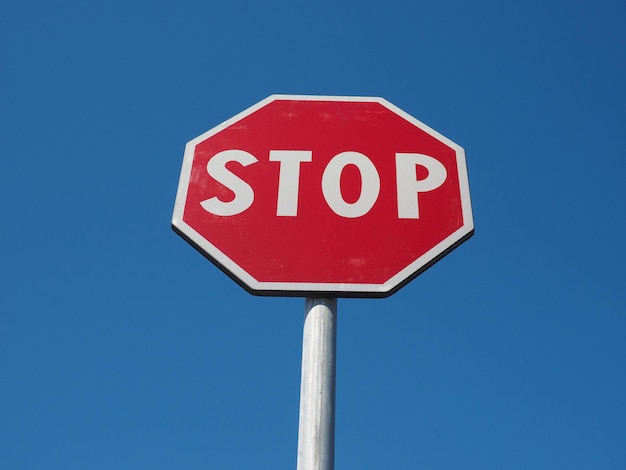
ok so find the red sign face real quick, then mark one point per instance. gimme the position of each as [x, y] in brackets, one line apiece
[340, 196]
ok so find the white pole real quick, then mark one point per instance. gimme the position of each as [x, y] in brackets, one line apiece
[316, 433]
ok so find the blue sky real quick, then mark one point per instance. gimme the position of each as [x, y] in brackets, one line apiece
[121, 347]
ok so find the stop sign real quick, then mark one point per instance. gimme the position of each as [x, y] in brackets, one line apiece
[310, 195]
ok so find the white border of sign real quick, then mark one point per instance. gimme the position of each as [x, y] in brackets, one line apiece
[332, 289]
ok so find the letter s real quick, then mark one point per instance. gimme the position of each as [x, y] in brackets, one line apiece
[244, 195]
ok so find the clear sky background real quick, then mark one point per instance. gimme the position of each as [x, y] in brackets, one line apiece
[123, 348]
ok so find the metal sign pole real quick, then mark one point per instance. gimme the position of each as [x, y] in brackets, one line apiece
[316, 433]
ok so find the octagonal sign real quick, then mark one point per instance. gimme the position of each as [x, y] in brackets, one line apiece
[312, 195]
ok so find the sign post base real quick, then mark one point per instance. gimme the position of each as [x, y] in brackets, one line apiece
[316, 434]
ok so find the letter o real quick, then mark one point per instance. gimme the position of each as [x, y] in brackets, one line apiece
[331, 184]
